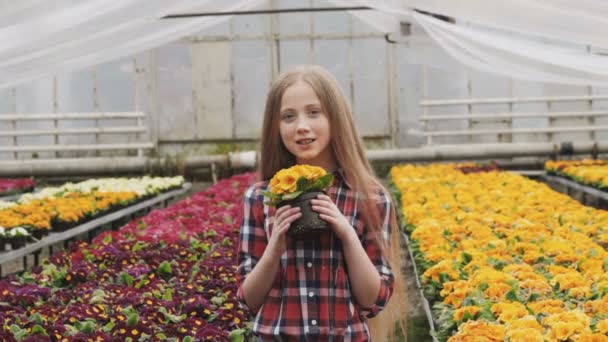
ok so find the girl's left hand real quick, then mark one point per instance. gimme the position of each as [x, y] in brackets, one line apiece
[329, 212]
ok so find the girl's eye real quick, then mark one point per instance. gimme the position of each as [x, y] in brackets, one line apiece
[315, 111]
[287, 116]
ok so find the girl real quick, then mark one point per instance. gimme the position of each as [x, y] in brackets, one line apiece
[324, 289]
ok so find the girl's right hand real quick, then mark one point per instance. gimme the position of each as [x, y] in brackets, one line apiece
[284, 216]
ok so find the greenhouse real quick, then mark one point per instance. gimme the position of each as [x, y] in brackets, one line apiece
[310, 170]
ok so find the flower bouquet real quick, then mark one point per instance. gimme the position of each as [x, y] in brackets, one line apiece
[296, 186]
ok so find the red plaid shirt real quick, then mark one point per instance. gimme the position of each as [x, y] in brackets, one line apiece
[310, 298]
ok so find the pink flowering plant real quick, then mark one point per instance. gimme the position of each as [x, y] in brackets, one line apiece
[14, 186]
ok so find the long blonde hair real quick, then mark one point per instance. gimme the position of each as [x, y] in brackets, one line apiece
[349, 153]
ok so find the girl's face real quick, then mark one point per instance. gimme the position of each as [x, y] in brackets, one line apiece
[304, 127]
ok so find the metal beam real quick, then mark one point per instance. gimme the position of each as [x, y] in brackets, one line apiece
[267, 11]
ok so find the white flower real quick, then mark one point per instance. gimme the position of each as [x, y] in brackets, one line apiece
[141, 186]
[17, 231]
[5, 205]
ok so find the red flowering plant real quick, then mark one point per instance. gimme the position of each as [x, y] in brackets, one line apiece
[168, 276]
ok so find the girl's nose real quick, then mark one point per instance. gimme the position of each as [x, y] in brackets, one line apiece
[302, 125]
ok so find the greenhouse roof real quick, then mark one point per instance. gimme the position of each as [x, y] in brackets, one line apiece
[555, 41]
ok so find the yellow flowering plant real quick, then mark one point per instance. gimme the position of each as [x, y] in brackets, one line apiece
[289, 183]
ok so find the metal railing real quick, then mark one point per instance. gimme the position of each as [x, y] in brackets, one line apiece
[138, 129]
[507, 117]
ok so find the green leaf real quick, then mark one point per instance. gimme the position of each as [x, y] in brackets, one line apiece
[212, 317]
[323, 183]
[188, 339]
[139, 246]
[88, 255]
[142, 225]
[466, 258]
[170, 318]
[303, 184]
[98, 296]
[107, 239]
[127, 279]
[28, 278]
[227, 242]
[237, 335]
[210, 233]
[140, 283]
[133, 319]
[271, 195]
[168, 295]
[217, 300]
[108, 327]
[292, 195]
[71, 329]
[467, 316]
[37, 329]
[512, 296]
[87, 327]
[165, 269]
[37, 318]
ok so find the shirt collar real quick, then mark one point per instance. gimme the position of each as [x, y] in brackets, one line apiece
[340, 176]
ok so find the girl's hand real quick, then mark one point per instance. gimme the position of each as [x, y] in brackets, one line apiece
[329, 212]
[284, 216]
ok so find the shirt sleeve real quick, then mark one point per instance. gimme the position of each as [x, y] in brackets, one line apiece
[370, 244]
[252, 239]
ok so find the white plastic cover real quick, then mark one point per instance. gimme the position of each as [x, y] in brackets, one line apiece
[557, 41]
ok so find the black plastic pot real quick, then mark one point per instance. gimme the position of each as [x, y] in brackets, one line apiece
[309, 225]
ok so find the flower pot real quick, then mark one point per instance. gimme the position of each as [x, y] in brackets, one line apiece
[309, 225]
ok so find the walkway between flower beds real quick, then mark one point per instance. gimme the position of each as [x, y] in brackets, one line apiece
[88, 227]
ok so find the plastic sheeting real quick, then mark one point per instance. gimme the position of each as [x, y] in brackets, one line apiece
[557, 41]
[554, 41]
[65, 35]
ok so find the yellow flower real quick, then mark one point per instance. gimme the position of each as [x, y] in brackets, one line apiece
[286, 182]
[562, 331]
[602, 326]
[587, 337]
[508, 312]
[471, 310]
[497, 291]
[525, 335]
[525, 323]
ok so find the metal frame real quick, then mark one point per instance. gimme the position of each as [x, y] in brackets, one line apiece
[56, 132]
[268, 11]
[507, 117]
[425, 302]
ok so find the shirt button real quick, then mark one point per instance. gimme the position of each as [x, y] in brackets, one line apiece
[309, 264]
[311, 294]
[313, 322]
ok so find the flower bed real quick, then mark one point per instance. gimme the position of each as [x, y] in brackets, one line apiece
[169, 276]
[61, 208]
[589, 172]
[10, 187]
[505, 258]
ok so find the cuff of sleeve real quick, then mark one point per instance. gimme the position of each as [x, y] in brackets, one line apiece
[384, 295]
[240, 297]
